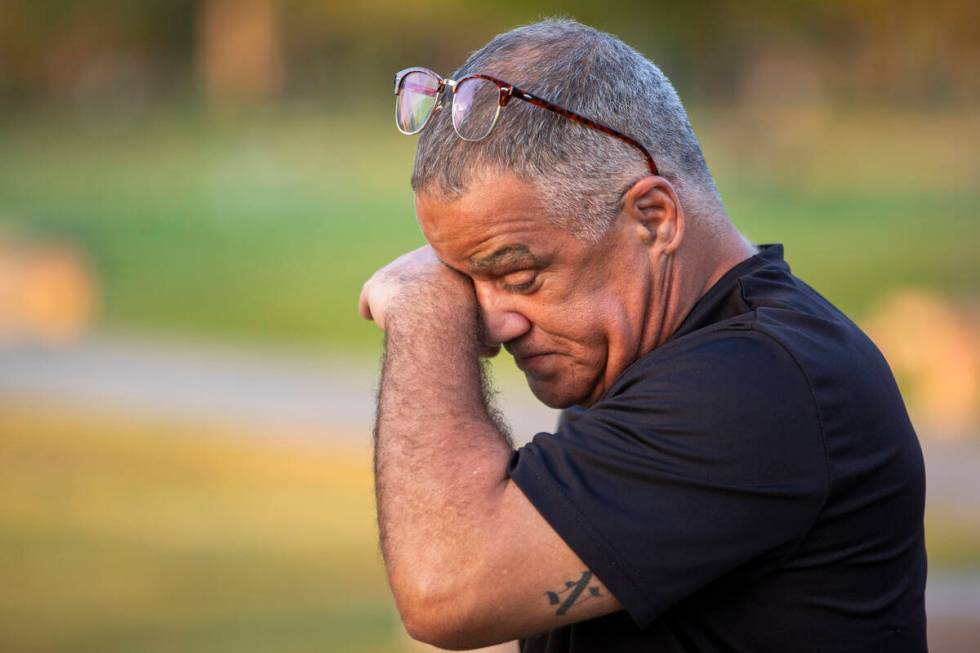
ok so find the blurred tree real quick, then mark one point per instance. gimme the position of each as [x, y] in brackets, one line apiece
[239, 51]
[868, 50]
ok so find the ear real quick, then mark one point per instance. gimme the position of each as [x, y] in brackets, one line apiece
[652, 204]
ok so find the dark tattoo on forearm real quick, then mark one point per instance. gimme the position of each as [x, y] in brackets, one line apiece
[573, 592]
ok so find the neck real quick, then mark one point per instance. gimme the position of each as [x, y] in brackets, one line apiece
[733, 249]
[688, 275]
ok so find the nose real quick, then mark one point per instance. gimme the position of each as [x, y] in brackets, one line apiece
[501, 321]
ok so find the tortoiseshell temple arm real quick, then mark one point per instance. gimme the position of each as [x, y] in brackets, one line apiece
[514, 91]
[588, 122]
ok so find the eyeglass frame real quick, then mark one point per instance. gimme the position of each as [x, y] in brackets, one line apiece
[506, 92]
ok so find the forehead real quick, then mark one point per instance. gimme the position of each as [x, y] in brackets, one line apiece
[500, 215]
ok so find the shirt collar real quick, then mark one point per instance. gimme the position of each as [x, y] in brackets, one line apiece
[720, 301]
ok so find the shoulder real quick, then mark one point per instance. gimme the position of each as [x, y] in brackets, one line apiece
[732, 360]
[735, 401]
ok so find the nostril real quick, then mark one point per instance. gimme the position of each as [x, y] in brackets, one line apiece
[504, 327]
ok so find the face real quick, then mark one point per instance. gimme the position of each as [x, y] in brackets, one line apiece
[573, 314]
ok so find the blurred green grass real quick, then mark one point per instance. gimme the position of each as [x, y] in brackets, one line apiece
[263, 228]
[123, 535]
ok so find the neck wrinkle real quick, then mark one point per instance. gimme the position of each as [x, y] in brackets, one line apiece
[735, 250]
[669, 305]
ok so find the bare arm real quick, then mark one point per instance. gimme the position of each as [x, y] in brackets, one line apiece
[469, 559]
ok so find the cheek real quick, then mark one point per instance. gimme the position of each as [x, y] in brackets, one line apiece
[580, 320]
[599, 325]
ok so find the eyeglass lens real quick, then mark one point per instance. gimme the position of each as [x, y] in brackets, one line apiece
[475, 107]
[415, 100]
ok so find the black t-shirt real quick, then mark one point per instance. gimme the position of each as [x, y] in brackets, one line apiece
[754, 484]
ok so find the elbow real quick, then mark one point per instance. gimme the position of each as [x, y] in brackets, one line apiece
[445, 635]
[437, 616]
[424, 627]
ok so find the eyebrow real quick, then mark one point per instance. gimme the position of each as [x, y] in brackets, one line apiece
[505, 256]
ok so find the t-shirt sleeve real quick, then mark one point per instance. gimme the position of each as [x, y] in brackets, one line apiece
[701, 459]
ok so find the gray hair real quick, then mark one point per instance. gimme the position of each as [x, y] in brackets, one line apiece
[581, 173]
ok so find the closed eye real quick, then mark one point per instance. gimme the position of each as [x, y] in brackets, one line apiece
[521, 281]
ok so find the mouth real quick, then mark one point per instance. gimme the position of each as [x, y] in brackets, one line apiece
[531, 355]
[533, 362]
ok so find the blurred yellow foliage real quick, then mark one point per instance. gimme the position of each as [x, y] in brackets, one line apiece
[933, 346]
[47, 293]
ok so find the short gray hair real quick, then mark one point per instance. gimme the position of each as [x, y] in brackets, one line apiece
[581, 173]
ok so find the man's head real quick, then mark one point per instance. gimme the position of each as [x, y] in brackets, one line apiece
[574, 249]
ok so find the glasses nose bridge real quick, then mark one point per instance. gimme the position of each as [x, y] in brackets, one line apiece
[443, 84]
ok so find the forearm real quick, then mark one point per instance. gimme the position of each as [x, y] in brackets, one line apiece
[469, 557]
[439, 458]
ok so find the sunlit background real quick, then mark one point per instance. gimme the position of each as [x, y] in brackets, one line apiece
[192, 192]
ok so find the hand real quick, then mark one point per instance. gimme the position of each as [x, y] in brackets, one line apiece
[419, 275]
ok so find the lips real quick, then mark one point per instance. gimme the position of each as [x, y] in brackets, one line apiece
[526, 356]
[523, 354]
[529, 357]
[536, 362]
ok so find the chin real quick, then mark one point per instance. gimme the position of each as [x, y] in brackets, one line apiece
[553, 395]
[562, 381]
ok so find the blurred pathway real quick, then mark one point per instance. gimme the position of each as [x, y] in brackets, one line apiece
[334, 398]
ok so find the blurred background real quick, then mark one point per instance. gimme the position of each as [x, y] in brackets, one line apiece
[193, 191]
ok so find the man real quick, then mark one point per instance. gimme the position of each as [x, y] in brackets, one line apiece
[741, 474]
